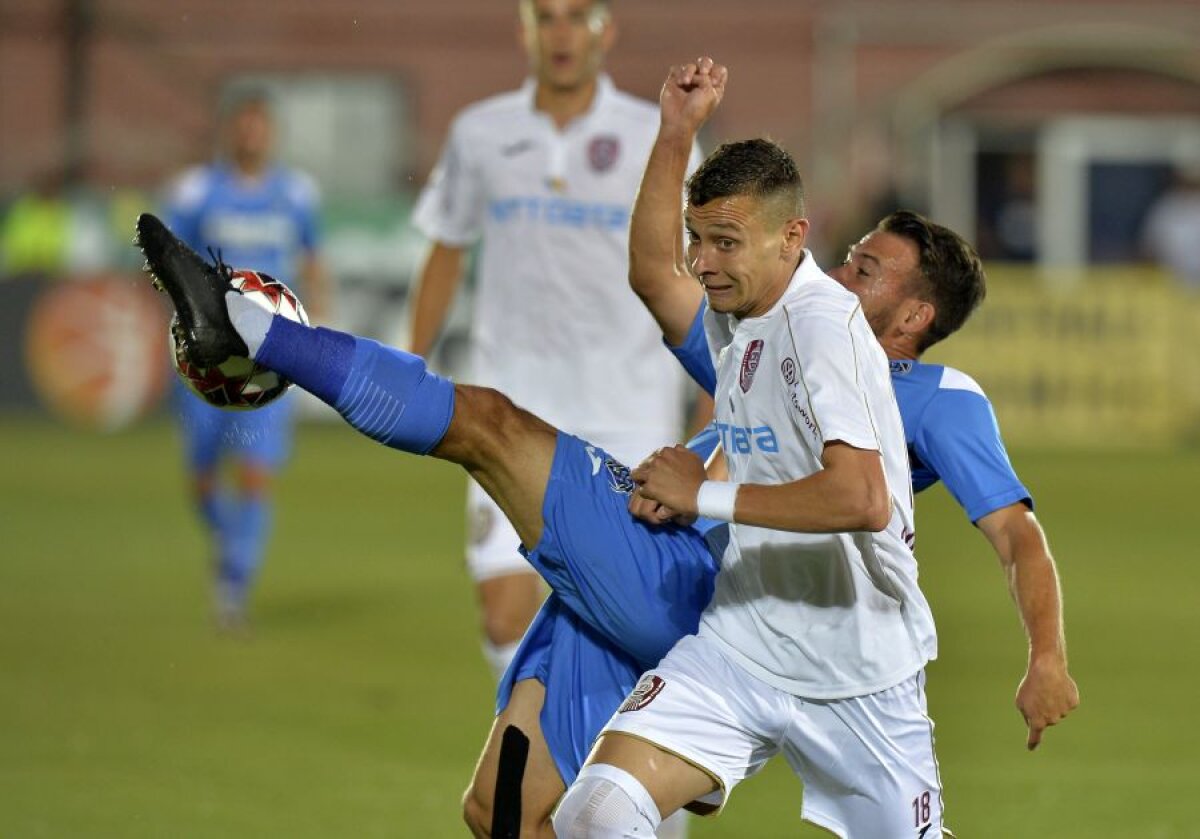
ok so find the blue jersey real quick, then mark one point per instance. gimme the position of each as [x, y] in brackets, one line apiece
[266, 223]
[624, 592]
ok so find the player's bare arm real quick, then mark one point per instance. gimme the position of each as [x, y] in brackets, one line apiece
[434, 293]
[1047, 692]
[849, 494]
[658, 271]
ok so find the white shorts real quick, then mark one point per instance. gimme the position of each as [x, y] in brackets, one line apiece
[492, 544]
[867, 763]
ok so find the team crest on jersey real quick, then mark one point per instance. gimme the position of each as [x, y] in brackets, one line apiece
[750, 364]
[901, 367]
[649, 687]
[788, 368]
[603, 152]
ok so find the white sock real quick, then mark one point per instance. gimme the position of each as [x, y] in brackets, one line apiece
[249, 319]
[499, 656]
[605, 802]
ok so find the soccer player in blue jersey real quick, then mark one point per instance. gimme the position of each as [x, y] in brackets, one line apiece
[624, 592]
[254, 212]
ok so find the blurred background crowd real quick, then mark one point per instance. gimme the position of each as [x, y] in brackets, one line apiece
[1062, 139]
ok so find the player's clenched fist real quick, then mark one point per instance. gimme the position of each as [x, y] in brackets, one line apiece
[672, 477]
[692, 92]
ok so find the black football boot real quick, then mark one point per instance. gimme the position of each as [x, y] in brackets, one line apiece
[196, 288]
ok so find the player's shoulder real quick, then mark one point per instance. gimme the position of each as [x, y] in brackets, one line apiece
[820, 299]
[300, 187]
[939, 386]
[624, 104]
[493, 111]
[192, 186]
[955, 380]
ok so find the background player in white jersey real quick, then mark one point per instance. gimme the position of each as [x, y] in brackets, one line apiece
[816, 637]
[543, 178]
[255, 212]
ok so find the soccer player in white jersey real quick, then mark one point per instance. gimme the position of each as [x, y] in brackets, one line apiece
[543, 179]
[817, 634]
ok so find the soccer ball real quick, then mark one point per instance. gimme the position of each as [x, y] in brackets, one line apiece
[239, 383]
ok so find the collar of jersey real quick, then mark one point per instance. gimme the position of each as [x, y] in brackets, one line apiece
[231, 174]
[806, 271]
[604, 92]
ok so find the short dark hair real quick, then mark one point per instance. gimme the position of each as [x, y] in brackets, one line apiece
[759, 168]
[951, 273]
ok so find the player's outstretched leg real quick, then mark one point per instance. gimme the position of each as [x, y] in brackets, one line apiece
[385, 393]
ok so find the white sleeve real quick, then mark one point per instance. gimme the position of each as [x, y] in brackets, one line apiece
[830, 355]
[452, 205]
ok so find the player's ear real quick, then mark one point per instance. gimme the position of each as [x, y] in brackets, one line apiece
[795, 234]
[526, 26]
[608, 34]
[918, 316]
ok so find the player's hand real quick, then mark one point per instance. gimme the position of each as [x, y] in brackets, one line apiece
[1046, 695]
[652, 512]
[691, 93]
[671, 477]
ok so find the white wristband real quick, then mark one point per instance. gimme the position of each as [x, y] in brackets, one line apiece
[716, 499]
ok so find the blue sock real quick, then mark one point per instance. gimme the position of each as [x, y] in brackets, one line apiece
[385, 393]
[214, 509]
[243, 548]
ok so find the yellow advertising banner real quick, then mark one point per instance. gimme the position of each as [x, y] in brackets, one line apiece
[1104, 358]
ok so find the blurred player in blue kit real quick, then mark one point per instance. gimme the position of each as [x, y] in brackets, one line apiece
[253, 211]
[625, 591]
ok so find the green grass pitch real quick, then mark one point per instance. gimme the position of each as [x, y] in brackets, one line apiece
[358, 707]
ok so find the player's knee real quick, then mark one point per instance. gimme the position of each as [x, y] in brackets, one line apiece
[477, 811]
[254, 481]
[494, 425]
[605, 801]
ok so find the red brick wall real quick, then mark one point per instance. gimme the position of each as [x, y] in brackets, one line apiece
[154, 67]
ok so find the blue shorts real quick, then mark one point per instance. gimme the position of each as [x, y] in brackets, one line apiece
[262, 437]
[623, 593]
